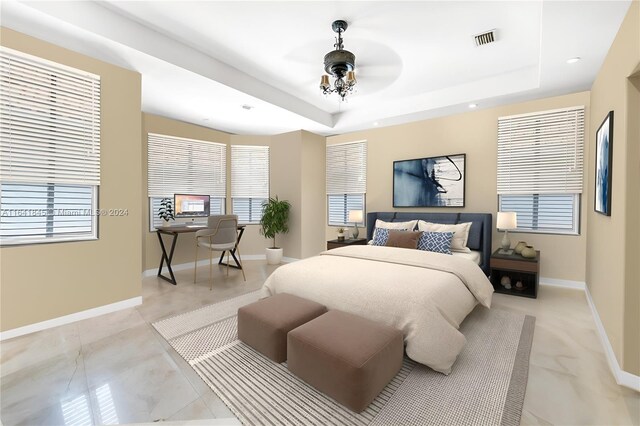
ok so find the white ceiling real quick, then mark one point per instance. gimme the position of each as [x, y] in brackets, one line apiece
[202, 60]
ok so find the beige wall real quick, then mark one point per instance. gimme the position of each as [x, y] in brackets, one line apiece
[45, 281]
[612, 249]
[631, 336]
[474, 134]
[313, 194]
[286, 182]
[185, 248]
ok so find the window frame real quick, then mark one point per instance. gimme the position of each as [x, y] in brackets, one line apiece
[346, 211]
[93, 235]
[251, 199]
[342, 179]
[542, 154]
[38, 97]
[574, 231]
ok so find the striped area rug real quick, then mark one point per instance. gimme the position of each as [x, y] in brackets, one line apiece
[487, 384]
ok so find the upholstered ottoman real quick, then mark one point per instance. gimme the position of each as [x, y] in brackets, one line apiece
[347, 357]
[264, 325]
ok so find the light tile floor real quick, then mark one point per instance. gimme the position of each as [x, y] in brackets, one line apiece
[117, 369]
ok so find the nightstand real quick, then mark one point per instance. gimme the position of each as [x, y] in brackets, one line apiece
[517, 268]
[352, 242]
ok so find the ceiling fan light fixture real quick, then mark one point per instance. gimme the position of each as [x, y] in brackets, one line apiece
[351, 77]
[340, 64]
[324, 82]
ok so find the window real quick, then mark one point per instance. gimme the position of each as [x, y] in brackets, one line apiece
[540, 169]
[339, 206]
[50, 148]
[249, 181]
[346, 181]
[551, 212]
[185, 166]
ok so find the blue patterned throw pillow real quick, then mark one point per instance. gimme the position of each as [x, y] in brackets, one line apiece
[380, 237]
[439, 242]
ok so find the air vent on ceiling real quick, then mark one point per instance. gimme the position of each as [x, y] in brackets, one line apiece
[485, 37]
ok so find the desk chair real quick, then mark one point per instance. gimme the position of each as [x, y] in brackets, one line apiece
[221, 235]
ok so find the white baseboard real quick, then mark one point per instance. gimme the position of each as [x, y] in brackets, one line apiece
[622, 377]
[552, 282]
[205, 262]
[67, 319]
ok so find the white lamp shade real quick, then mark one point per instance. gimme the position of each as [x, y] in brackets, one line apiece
[507, 220]
[355, 216]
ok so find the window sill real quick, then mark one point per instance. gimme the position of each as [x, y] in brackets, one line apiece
[29, 242]
[550, 232]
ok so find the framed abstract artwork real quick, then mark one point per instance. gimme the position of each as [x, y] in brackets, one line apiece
[604, 163]
[429, 182]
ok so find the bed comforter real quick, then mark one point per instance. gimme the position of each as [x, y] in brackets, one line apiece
[426, 295]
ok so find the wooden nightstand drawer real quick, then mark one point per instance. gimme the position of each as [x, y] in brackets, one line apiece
[353, 242]
[514, 265]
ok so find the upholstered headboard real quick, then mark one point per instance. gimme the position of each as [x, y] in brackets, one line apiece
[479, 234]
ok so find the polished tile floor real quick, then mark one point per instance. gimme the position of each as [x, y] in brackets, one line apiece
[117, 369]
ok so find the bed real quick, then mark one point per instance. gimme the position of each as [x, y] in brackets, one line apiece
[426, 295]
[479, 235]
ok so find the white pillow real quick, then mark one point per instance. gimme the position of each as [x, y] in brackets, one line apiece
[460, 236]
[405, 226]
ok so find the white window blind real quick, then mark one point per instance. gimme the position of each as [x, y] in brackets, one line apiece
[541, 153]
[249, 181]
[346, 181]
[49, 150]
[49, 121]
[186, 166]
[347, 168]
[540, 169]
[249, 171]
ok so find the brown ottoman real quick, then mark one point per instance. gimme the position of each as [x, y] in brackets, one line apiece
[264, 325]
[347, 357]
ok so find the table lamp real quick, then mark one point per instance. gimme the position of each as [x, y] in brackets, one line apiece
[355, 216]
[506, 221]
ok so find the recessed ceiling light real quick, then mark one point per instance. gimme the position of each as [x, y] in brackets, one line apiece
[247, 107]
[573, 60]
[375, 123]
[205, 119]
[473, 106]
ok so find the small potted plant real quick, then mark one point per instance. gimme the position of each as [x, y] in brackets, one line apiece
[275, 218]
[166, 210]
[340, 234]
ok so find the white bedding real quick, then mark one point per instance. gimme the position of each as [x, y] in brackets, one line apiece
[426, 295]
[473, 255]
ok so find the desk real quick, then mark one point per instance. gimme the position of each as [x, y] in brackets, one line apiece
[174, 231]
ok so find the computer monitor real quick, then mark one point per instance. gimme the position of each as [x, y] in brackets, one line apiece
[189, 205]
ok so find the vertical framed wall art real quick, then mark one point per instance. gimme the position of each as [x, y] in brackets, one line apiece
[604, 163]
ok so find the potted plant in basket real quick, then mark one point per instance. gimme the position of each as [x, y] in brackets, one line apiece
[275, 218]
[166, 210]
